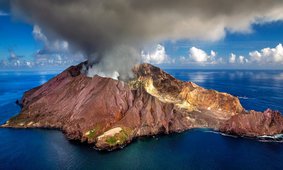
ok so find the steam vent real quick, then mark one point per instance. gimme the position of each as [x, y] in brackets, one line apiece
[110, 113]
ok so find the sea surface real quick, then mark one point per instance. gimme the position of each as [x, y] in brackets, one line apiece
[194, 149]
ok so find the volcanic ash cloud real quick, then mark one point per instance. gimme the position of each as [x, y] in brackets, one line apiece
[112, 33]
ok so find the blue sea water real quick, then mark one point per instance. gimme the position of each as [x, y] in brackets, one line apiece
[194, 149]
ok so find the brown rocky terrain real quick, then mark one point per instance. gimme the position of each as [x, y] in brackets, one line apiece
[254, 124]
[110, 113]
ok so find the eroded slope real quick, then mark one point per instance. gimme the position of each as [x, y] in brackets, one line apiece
[110, 113]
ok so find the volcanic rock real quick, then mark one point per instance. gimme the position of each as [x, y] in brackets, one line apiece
[110, 113]
[254, 124]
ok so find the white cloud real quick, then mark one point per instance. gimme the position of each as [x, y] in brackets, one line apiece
[55, 45]
[212, 53]
[54, 52]
[268, 55]
[232, 58]
[200, 56]
[255, 56]
[158, 56]
[2, 13]
[38, 35]
[243, 60]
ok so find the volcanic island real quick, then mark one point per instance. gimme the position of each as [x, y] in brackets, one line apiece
[109, 114]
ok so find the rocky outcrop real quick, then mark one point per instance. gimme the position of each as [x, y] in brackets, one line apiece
[110, 113]
[254, 124]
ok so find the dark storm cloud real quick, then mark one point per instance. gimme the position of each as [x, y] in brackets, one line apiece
[100, 28]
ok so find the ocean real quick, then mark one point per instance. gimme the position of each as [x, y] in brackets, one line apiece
[193, 149]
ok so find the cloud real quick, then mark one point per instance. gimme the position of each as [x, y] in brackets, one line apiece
[2, 13]
[98, 28]
[54, 45]
[200, 56]
[262, 57]
[197, 56]
[14, 61]
[128, 21]
[158, 56]
[54, 52]
[268, 55]
[233, 59]
[243, 60]
[13, 56]
[38, 35]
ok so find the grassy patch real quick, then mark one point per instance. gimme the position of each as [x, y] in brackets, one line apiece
[118, 139]
[111, 140]
[91, 134]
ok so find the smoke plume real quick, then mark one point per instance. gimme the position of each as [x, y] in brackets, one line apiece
[113, 32]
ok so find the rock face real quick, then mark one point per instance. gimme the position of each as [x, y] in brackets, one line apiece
[254, 124]
[110, 113]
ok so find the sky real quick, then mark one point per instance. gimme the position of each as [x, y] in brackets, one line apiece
[16, 36]
[24, 44]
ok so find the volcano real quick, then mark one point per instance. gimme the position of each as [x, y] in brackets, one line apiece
[110, 113]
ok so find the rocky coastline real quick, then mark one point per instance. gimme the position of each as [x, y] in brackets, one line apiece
[111, 113]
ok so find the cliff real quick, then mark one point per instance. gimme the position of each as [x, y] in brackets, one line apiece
[110, 113]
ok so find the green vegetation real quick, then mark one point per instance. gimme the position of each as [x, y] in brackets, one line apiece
[91, 134]
[111, 140]
[118, 138]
